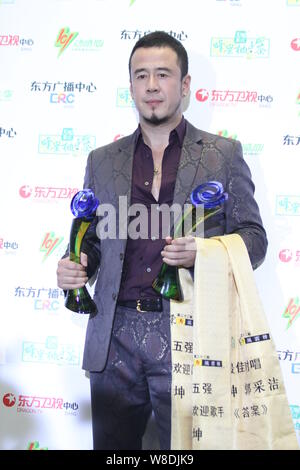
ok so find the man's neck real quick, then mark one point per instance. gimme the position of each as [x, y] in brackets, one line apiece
[157, 137]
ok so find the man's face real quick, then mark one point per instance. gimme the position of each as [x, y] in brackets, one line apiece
[156, 85]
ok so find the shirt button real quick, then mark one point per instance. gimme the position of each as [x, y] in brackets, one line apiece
[146, 183]
[121, 256]
[114, 296]
[148, 270]
[153, 238]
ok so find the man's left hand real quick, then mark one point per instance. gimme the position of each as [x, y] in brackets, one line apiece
[180, 252]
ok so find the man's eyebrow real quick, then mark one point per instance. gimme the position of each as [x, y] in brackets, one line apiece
[165, 69]
[139, 71]
[158, 69]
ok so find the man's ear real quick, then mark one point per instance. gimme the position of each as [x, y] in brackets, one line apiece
[186, 84]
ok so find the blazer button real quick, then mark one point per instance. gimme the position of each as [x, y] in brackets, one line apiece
[114, 296]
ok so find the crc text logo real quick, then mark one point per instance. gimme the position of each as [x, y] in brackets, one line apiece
[62, 92]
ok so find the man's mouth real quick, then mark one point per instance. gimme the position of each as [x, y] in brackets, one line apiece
[153, 102]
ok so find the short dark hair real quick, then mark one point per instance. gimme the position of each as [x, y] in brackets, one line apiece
[163, 39]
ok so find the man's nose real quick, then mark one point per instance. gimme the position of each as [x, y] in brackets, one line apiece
[152, 84]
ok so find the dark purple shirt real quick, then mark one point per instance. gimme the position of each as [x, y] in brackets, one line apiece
[143, 256]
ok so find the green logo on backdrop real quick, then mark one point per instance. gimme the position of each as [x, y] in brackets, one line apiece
[64, 39]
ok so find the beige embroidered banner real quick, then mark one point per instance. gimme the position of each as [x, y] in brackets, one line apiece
[227, 390]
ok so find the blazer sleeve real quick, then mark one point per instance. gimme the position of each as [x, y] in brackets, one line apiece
[242, 212]
[91, 242]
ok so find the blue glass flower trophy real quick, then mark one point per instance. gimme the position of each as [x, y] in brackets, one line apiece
[83, 207]
[212, 196]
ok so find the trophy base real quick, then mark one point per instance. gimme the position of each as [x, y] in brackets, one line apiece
[167, 283]
[80, 301]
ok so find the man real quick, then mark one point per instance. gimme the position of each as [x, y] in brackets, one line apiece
[127, 350]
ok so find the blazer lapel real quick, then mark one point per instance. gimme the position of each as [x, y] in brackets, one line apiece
[122, 161]
[190, 159]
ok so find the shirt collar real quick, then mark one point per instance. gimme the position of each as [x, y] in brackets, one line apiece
[179, 132]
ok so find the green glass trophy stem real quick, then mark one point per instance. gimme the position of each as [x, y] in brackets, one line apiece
[79, 300]
[78, 230]
[167, 283]
[207, 214]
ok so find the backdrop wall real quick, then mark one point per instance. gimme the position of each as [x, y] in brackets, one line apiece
[64, 90]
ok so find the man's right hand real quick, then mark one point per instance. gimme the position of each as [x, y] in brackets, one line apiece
[72, 275]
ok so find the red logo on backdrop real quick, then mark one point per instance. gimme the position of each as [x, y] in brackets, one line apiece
[202, 95]
[285, 255]
[232, 96]
[47, 192]
[9, 400]
[295, 44]
[25, 191]
[118, 136]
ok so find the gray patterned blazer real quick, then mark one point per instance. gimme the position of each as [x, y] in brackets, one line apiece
[108, 173]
